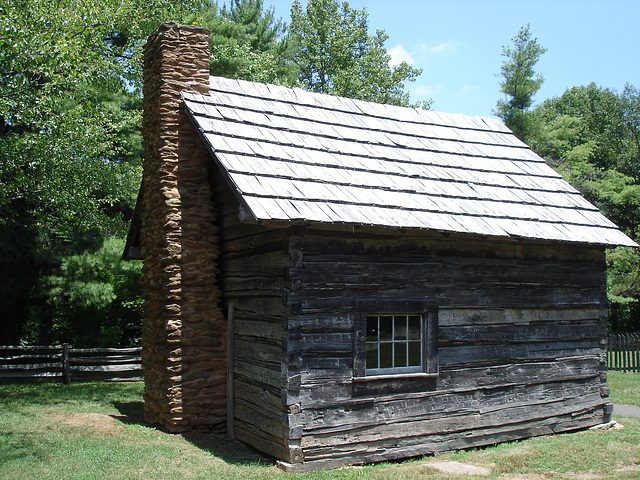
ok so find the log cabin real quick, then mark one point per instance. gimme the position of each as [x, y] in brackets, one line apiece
[333, 281]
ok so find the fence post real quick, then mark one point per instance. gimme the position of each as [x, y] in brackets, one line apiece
[66, 374]
[636, 352]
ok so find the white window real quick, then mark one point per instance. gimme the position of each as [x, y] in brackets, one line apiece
[392, 343]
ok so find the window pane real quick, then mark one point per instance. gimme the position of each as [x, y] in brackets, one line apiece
[372, 329]
[400, 355]
[400, 327]
[372, 355]
[394, 343]
[386, 328]
[386, 355]
[414, 327]
[414, 354]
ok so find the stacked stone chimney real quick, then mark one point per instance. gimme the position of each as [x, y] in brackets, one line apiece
[184, 330]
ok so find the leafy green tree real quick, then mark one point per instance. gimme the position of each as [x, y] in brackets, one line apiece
[623, 289]
[260, 26]
[246, 42]
[590, 135]
[519, 82]
[92, 299]
[335, 54]
[69, 133]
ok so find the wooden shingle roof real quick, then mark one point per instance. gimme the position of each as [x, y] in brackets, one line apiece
[292, 155]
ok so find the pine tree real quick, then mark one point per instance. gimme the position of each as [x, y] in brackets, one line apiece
[520, 82]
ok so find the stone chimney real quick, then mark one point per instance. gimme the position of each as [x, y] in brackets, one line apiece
[183, 339]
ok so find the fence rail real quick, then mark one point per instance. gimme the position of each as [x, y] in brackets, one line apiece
[68, 363]
[77, 364]
[624, 352]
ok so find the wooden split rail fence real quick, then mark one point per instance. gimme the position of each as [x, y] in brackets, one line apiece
[624, 352]
[68, 363]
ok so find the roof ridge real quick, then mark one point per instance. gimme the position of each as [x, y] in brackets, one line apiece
[420, 112]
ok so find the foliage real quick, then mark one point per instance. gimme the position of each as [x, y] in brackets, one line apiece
[590, 135]
[70, 115]
[69, 133]
[623, 289]
[246, 42]
[92, 300]
[335, 54]
[519, 82]
[260, 26]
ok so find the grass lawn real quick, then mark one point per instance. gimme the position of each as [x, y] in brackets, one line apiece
[625, 388]
[96, 431]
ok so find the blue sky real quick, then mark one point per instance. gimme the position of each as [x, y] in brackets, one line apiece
[458, 44]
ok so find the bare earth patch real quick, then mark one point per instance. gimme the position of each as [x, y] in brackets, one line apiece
[96, 421]
[522, 476]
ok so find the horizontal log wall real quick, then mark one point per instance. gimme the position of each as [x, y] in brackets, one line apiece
[522, 343]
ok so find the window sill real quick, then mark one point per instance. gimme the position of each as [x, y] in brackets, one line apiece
[394, 376]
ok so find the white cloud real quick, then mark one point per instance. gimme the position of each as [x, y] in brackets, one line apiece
[427, 90]
[443, 47]
[399, 55]
[440, 49]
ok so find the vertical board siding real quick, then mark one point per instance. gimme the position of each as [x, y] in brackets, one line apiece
[521, 345]
[252, 278]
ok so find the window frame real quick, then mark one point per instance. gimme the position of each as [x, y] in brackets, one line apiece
[426, 309]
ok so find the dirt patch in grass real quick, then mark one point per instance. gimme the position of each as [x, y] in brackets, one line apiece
[629, 468]
[523, 476]
[98, 422]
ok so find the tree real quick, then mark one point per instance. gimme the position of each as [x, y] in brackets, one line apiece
[69, 134]
[590, 135]
[246, 42]
[259, 25]
[335, 54]
[92, 299]
[520, 82]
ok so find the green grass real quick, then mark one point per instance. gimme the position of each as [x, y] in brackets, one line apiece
[96, 431]
[625, 388]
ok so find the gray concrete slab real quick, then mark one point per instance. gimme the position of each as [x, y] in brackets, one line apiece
[457, 468]
[626, 411]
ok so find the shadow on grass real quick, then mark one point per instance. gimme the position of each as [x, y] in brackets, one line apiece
[230, 451]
